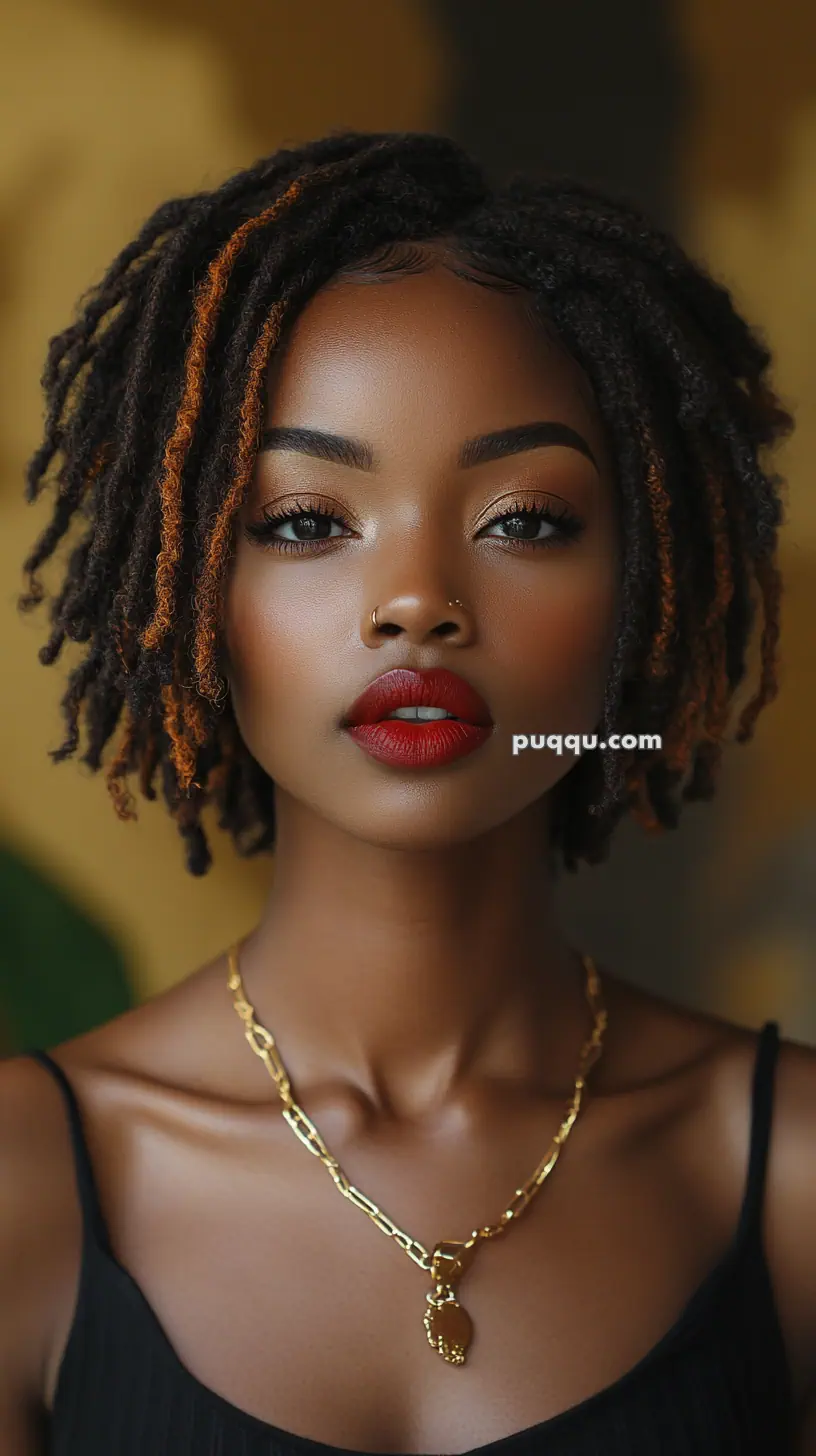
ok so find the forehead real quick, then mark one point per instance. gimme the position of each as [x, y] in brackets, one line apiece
[424, 358]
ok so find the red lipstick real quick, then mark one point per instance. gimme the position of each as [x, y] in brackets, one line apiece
[410, 742]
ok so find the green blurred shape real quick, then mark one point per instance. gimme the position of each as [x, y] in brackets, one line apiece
[60, 974]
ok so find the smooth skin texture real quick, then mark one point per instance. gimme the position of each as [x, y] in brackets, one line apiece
[408, 960]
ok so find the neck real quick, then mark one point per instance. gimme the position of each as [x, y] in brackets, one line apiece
[416, 975]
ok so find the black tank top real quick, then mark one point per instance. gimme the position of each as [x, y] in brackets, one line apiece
[717, 1382]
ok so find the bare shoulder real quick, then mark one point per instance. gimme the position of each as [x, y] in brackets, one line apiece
[109, 1068]
[40, 1239]
[179, 1039]
[711, 1061]
[664, 1040]
[790, 1202]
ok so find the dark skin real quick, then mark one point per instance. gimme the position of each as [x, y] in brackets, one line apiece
[409, 962]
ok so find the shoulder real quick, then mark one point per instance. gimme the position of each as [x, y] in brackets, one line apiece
[40, 1223]
[109, 1070]
[789, 1191]
[113, 1071]
[790, 1202]
[789, 1195]
[710, 1063]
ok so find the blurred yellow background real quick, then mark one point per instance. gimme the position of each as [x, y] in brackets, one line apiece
[108, 108]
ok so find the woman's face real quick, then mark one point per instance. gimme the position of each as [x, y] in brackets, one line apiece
[410, 369]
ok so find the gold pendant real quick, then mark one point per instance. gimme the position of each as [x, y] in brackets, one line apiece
[448, 1326]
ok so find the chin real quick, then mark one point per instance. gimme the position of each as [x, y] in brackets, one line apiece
[414, 817]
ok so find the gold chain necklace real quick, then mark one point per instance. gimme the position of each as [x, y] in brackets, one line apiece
[447, 1325]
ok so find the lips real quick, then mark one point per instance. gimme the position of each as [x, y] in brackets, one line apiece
[415, 744]
[433, 688]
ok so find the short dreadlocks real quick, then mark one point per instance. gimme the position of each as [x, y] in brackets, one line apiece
[154, 406]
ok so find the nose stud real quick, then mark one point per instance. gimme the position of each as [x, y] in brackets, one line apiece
[455, 603]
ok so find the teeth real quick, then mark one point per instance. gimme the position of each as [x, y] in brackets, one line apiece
[420, 715]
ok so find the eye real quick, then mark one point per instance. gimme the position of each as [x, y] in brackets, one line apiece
[309, 526]
[543, 524]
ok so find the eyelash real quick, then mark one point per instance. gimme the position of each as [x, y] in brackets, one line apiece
[567, 526]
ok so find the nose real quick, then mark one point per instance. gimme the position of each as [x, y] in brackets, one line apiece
[419, 619]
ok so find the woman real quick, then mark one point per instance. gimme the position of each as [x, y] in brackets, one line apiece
[364, 445]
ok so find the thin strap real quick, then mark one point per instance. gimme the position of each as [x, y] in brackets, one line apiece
[92, 1217]
[761, 1115]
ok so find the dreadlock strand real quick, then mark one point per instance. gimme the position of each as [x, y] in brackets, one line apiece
[717, 714]
[79, 681]
[641, 807]
[148, 762]
[67, 503]
[182, 752]
[658, 664]
[684, 727]
[115, 777]
[216, 551]
[770, 584]
[207, 304]
[194, 715]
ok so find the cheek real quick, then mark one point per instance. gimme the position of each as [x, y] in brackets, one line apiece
[271, 637]
[560, 648]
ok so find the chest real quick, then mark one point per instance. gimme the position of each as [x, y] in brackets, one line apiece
[287, 1300]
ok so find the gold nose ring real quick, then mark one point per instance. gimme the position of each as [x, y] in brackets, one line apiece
[455, 603]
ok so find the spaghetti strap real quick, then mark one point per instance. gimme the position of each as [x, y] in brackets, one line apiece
[761, 1117]
[93, 1221]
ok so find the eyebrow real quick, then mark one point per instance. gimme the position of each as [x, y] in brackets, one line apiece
[342, 450]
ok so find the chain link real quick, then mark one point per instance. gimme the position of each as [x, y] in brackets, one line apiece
[263, 1044]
